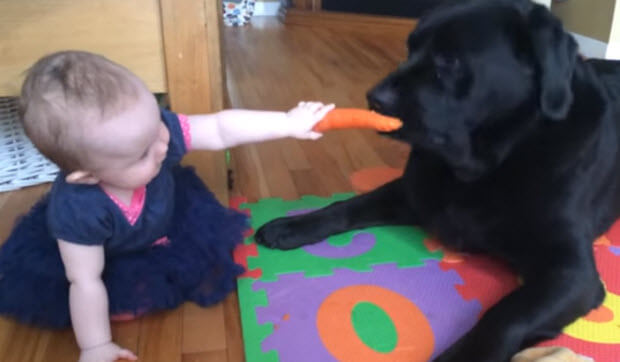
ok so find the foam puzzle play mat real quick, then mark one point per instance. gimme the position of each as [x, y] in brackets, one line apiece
[387, 294]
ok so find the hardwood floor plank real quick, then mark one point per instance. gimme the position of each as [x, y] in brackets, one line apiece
[203, 328]
[160, 337]
[213, 356]
[234, 338]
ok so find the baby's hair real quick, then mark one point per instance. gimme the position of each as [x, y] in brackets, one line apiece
[63, 94]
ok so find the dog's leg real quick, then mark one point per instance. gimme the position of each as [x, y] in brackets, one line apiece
[385, 205]
[552, 296]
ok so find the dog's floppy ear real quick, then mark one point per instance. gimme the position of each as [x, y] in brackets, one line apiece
[555, 52]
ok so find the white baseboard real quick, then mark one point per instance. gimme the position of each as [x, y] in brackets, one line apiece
[269, 8]
[590, 47]
[613, 51]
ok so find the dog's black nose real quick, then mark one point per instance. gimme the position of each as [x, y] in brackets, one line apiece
[374, 106]
[380, 99]
[373, 102]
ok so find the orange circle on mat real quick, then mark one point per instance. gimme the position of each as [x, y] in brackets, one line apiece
[369, 179]
[601, 314]
[415, 336]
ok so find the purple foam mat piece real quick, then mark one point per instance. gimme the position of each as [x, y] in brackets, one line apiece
[293, 303]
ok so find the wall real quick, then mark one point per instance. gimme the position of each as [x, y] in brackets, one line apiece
[613, 49]
[591, 18]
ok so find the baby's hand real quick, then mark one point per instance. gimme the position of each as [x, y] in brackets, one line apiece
[108, 352]
[303, 118]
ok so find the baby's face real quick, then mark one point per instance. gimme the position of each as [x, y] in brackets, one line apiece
[127, 150]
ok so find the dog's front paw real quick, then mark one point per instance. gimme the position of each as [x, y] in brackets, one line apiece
[281, 233]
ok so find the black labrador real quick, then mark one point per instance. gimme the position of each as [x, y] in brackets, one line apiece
[515, 154]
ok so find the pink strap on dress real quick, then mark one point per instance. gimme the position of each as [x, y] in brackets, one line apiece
[134, 209]
[185, 127]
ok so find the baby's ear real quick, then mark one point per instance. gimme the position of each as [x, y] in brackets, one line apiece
[81, 177]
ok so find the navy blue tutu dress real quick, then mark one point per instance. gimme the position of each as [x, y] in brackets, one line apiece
[173, 244]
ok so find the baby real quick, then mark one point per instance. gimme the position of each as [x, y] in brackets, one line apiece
[124, 230]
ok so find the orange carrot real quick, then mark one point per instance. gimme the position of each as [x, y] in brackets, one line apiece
[356, 118]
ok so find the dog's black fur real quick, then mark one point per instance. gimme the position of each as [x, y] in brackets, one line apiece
[515, 154]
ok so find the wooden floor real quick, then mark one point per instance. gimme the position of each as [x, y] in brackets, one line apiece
[269, 66]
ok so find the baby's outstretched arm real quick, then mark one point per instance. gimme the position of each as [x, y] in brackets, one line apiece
[234, 127]
[88, 301]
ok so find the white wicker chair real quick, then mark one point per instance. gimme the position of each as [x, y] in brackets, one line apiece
[20, 162]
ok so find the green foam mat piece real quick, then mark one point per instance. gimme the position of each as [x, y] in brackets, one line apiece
[402, 245]
[253, 332]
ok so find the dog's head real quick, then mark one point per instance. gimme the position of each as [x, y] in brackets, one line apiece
[479, 77]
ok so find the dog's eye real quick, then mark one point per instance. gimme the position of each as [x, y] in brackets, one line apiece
[438, 139]
[438, 73]
[447, 62]
[446, 65]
